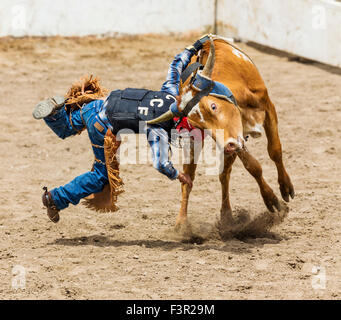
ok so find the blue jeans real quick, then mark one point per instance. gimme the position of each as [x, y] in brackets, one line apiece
[92, 181]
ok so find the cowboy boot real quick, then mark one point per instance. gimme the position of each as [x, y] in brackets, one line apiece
[48, 107]
[52, 210]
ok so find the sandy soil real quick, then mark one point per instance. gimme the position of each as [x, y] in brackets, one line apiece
[134, 252]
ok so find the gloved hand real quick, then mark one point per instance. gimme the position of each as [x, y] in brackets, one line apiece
[198, 44]
[185, 178]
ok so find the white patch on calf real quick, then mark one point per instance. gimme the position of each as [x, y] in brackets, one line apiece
[184, 100]
[255, 131]
[240, 54]
[196, 109]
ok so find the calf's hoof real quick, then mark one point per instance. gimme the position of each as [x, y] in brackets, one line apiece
[271, 201]
[287, 189]
[226, 218]
[182, 227]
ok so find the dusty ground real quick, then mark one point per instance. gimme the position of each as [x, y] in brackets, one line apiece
[134, 253]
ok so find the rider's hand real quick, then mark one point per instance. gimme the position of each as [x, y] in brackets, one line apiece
[185, 178]
[198, 44]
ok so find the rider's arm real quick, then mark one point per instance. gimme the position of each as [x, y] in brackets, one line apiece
[158, 140]
[179, 64]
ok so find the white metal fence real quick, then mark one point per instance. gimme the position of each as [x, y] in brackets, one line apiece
[308, 28]
[84, 17]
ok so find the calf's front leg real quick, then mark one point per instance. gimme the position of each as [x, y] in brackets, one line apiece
[185, 189]
[224, 177]
[255, 169]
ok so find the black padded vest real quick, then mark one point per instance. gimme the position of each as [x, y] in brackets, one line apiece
[126, 108]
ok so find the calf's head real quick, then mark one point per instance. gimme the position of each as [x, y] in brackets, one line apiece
[212, 111]
[220, 117]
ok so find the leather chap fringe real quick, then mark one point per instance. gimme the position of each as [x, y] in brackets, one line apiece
[105, 200]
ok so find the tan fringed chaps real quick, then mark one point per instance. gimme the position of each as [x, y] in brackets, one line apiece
[106, 199]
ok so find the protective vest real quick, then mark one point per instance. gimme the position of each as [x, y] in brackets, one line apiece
[126, 108]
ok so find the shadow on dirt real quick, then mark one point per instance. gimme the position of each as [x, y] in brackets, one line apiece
[242, 234]
[103, 241]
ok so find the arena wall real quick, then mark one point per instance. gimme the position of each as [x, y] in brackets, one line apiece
[108, 17]
[307, 28]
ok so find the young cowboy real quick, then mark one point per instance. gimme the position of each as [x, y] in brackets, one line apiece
[122, 109]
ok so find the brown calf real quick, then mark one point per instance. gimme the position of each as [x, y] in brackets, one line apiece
[234, 68]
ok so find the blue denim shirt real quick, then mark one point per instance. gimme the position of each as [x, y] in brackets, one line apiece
[156, 136]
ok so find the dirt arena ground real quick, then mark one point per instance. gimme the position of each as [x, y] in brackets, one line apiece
[134, 253]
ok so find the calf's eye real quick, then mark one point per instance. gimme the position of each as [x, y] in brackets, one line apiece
[213, 106]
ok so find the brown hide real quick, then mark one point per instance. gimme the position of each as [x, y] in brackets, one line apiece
[236, 70]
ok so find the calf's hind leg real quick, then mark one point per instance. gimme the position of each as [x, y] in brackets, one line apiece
[275, 151]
